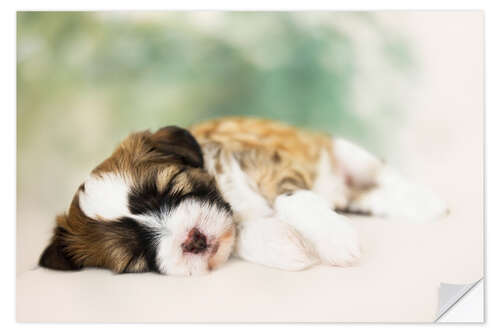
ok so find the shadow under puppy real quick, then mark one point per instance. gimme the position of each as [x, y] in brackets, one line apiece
[259, 189]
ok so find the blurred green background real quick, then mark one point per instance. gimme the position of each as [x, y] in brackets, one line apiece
[87, 79]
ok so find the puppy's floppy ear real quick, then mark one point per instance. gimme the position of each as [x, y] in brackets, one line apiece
[178, 142]
[55, 255]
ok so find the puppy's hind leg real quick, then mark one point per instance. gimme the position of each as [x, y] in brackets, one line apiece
[380, 190]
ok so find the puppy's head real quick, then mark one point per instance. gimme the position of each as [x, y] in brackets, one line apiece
[148, 207]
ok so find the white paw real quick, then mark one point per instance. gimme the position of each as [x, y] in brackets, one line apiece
[339, 243]
[270, 242]
[394, 197]
[332, 235]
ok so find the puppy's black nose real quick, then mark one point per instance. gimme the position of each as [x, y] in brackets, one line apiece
[196, 242]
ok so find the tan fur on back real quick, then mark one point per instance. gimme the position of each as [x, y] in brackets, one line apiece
[278, 157]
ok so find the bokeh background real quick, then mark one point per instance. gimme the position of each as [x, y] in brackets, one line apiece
[406, 85]
[87, 79]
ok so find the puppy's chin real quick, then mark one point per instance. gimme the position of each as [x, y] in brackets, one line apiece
[199, 237]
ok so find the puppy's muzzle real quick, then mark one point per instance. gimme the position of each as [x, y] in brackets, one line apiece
[196, 242]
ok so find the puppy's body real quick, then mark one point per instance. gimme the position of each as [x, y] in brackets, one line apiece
[284, 184]
[169, 201]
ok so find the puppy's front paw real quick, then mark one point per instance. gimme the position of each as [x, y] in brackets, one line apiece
[338, 244]
[270, 242]
[332, 235]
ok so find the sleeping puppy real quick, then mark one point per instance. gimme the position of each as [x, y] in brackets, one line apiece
[181, 202]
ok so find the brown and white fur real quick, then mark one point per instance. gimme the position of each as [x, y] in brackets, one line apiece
[265, 191]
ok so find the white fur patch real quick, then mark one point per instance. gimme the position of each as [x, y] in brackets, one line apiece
[105, 197]
[332, 235]
[210, 220]
[242, 193]
[358, 164]
[271, 242]
[330, 184]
